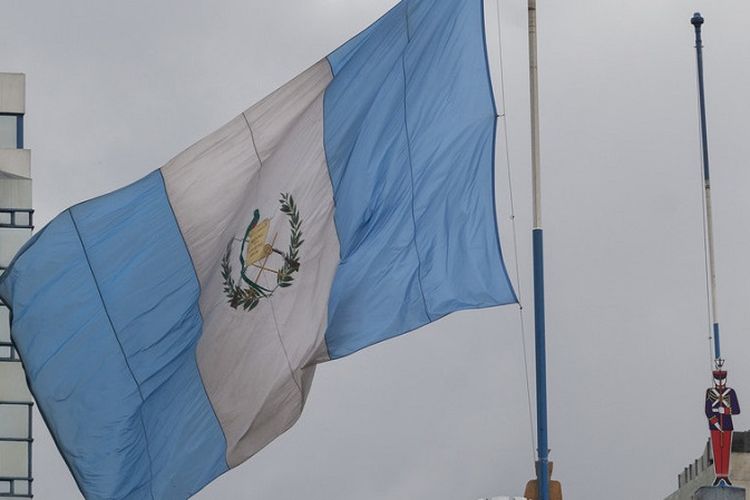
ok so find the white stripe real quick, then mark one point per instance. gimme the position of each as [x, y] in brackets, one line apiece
[257, 365]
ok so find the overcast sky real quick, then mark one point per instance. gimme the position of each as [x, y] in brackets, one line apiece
[115, 89]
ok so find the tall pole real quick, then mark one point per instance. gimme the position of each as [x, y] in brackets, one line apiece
[537, 247]
[697, 22]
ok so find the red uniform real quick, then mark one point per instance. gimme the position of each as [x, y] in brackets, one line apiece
[721, 404]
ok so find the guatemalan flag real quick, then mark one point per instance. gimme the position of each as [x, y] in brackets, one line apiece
[170, 329]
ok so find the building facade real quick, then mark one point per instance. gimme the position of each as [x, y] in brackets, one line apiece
[700, 472]
[16, 224]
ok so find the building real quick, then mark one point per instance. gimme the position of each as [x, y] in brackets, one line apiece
[701, 471]
[16, 223]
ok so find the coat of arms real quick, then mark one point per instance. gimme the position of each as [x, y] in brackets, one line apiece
[258, 255]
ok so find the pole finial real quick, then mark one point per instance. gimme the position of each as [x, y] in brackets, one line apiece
[697, 20]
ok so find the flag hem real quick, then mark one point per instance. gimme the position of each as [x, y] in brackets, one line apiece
[494, 153]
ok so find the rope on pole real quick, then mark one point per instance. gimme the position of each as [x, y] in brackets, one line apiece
[522, 321]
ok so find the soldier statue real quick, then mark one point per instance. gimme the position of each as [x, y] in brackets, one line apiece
[721, 404]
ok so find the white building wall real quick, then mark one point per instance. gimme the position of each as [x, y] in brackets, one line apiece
[15, 193]
[12, 93]
[701, 472]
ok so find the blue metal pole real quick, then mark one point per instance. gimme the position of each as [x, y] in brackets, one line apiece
[541, 364]
[717, 342]
[697, 22]
[542, 471]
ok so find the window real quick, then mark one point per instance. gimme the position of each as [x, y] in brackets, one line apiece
[15, 449]
[11, 131]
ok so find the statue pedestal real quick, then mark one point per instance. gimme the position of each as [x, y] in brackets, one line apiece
[719, 493]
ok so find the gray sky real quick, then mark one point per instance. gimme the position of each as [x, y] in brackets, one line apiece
[115, 89]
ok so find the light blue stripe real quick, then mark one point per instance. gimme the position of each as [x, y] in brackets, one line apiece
[113, 365]
[409, 137]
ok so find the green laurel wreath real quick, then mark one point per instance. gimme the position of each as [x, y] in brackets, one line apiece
[285, 277]
[249, 297]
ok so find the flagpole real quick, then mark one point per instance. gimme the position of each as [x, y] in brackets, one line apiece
[697, 22]
[538, 263]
